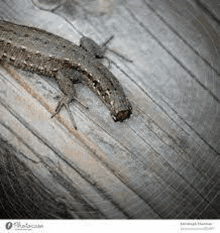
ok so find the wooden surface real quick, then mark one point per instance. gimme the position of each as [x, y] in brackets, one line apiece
[160, 163]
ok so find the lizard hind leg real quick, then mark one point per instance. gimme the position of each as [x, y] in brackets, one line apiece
[65, 100]
[67, 87]
[98, 51]
[93, 48]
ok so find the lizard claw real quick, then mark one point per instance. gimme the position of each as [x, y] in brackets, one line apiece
[65, 101]
[86, 107]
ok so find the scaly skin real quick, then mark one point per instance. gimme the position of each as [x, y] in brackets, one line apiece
[41, 52]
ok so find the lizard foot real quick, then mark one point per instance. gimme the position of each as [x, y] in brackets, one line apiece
[65, 101]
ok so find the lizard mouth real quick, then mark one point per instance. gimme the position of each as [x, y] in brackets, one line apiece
[122, 115]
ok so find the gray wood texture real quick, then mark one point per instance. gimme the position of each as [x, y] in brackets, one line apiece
[160, 163]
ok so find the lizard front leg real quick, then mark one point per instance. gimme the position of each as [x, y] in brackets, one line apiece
[66, 79]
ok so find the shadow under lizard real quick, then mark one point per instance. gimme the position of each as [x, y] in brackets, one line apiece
[41, 52]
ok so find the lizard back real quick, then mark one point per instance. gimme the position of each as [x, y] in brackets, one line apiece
[39, 51]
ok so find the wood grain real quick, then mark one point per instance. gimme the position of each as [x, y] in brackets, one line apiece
[160, 163]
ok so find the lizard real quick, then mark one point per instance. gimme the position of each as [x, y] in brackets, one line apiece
[38, 51]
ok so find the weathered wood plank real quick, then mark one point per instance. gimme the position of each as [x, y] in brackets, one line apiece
[196, 29]
[178, 74]
[34, 118]
[29, 192]
[107, 27]
[211, 8]
[161, 163]
[31, 145]
[183, 93]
